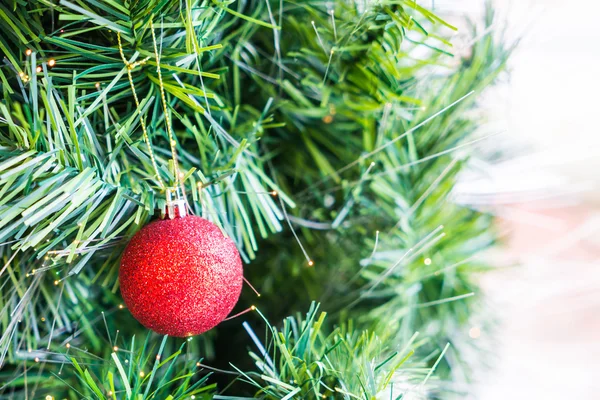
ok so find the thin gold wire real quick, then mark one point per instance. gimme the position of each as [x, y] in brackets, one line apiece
[130, 67]
[163, 98]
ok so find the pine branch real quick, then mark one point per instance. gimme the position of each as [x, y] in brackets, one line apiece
[324, 104]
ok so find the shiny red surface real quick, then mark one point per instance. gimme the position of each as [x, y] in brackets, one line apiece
[180, 277]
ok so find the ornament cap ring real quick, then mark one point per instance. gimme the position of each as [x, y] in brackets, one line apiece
[176, 204]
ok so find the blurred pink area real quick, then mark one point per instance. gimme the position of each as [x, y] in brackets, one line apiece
[549, 307]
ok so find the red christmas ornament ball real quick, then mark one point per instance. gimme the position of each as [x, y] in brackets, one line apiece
[180, 277]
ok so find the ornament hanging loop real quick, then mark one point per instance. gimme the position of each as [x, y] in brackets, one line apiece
[176, 206]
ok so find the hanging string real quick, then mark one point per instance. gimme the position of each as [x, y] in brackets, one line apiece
[165, 109]
[130, 67]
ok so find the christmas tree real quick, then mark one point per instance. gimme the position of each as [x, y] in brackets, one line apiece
[324, 139]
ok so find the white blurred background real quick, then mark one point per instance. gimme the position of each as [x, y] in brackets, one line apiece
[548, 204]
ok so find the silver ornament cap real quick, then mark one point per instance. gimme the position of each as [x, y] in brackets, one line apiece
[176, 206]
